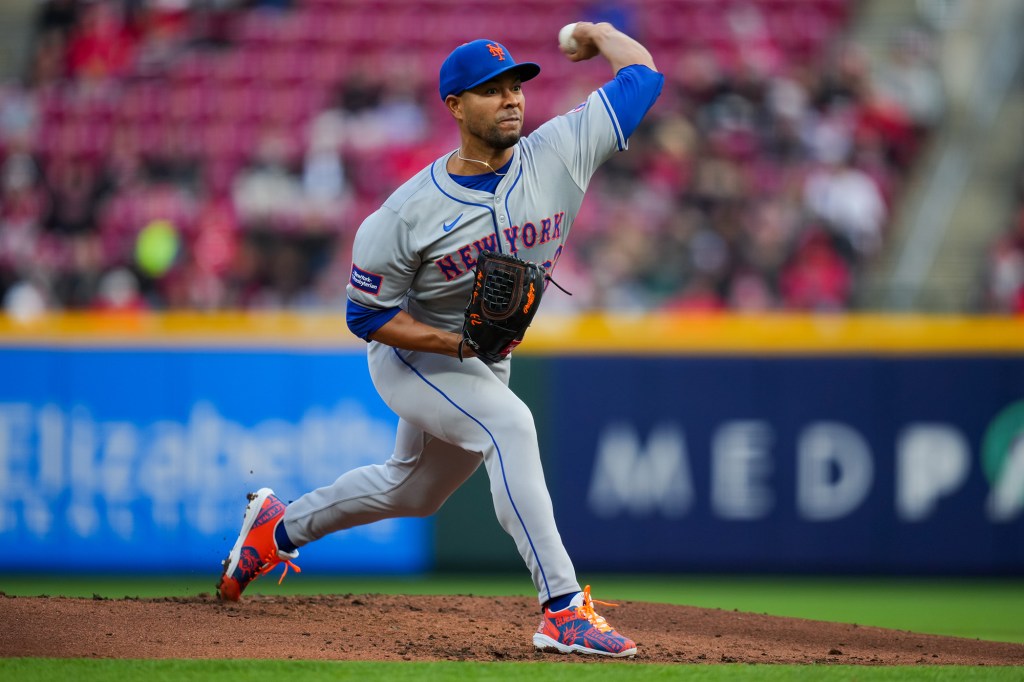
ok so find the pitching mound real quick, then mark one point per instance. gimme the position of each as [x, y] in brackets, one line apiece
[375, 627]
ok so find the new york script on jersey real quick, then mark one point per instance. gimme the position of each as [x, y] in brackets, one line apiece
[515, 238]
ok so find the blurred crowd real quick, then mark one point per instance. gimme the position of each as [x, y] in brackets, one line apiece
[760, 181]
[1004, 287]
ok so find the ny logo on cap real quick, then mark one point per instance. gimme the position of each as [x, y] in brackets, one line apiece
[496, 51]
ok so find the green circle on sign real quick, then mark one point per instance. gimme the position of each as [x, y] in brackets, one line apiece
[1005, 430]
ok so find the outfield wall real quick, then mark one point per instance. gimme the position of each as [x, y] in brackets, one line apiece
[709, 443]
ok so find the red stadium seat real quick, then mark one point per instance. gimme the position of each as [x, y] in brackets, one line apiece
[234, 103]
[284, 64]
[186, 103]
[190, 68]
[142, 102]
[255, 28]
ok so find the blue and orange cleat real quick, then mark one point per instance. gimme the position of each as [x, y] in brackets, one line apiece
[255, 551]
[578, 628]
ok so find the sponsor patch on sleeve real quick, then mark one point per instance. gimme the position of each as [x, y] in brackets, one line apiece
[578, 107]
[366, 281]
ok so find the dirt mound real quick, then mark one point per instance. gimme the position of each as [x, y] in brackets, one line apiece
[375, 627]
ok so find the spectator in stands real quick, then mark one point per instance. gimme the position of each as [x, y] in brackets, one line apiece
[211, 20]
[101, 45]
[164, 28]
[850, 203]
[174, 160]
[289, 275]
[118, 291]
[22, 204]
[74, 188]
[362, 99]
[910, 77]
[786, 108]
[772, 227]
[48, 63]
[750, 292]
[76, 280]
[53, 25]
[56, 16]
[324, 183]
[700, 295]
[216, 236]
[25, 300]
[267, 192]
[817, 279]
[1006, 273]
[19, 116]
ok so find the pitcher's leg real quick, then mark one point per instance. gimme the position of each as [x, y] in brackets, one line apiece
[521, 498]
[473, 408]
[415, 481]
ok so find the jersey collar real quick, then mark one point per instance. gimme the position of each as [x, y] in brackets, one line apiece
[446, 183]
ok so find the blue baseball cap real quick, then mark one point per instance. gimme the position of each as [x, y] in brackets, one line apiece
[471, 64]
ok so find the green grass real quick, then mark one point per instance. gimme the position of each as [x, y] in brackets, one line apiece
[59, 670]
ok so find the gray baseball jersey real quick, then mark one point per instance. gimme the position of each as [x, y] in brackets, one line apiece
[418, 252]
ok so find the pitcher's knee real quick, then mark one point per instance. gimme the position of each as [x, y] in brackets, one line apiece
[418, 506]
[518, 421]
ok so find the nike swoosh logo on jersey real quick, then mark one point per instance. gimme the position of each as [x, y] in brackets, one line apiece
[447, 227]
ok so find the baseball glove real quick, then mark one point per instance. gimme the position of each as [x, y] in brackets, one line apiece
[506, 295]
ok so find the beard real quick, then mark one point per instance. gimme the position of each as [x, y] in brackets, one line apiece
[495, 138]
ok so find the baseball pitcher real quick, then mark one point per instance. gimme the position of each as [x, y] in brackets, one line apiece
[445, 278]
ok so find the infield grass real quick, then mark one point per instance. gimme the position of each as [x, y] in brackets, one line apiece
[81, 670]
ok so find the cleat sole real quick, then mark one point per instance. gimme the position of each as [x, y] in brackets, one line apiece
[548, 645]
[228, 589]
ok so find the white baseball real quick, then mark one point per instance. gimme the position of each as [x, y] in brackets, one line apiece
[565, 39]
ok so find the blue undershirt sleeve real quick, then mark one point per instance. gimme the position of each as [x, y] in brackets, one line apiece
[363, 321]
[632, 93]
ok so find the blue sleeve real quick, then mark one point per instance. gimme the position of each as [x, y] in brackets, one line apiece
[363, 321]
[632, 93]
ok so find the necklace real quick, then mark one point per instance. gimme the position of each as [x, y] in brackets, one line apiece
[458, 153]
